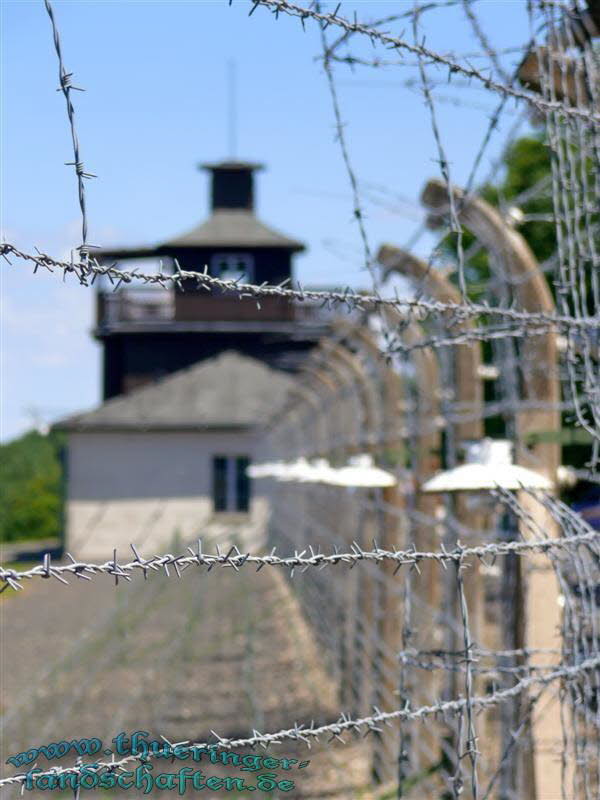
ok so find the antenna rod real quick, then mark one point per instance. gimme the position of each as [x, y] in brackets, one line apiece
[232, 108]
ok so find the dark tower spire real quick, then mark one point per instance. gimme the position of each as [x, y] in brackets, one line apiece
[232, 184]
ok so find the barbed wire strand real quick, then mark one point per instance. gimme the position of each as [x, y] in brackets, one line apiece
[87, 271]
[303, 13]
[335, 730]
[236, 559]
[66, 87]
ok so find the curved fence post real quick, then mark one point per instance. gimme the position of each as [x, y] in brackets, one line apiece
[537, 620]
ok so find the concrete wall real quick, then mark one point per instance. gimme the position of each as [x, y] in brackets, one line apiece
[146, 488]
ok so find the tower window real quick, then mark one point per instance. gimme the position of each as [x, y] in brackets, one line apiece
[231, 485]
[233, 267]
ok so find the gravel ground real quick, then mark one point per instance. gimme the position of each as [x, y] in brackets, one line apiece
[221, 651]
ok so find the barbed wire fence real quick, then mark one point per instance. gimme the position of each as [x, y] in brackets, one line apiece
[461, 630]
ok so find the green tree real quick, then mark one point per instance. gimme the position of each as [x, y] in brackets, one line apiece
[527, 169]
[31, 487]
[525, 182]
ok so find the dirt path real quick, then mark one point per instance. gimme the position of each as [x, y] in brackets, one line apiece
[178, 658]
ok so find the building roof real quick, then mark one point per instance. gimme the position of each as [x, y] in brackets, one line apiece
[224, 228]
[233, 228]
[232, 223]
[229, 391]
[232, 164]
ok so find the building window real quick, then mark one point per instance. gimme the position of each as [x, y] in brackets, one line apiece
[233, 267]
[231, 485]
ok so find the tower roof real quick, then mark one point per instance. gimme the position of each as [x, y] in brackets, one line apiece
[229, 391]
[233, 228]
[232, 164]
[232, 224]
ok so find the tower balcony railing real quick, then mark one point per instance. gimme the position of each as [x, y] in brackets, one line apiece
[134, 305]
[157, 307]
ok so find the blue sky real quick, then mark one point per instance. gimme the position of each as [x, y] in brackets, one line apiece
[155, 105]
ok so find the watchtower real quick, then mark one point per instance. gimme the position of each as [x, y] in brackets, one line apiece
[148, 332]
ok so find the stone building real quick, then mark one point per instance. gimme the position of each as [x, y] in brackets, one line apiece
[188, 376]
[167, 461]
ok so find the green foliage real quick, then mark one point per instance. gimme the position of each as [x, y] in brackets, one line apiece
[526, 164]
[30, 487]
[525, 182]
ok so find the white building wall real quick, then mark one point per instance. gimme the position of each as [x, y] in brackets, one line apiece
[153, 490]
